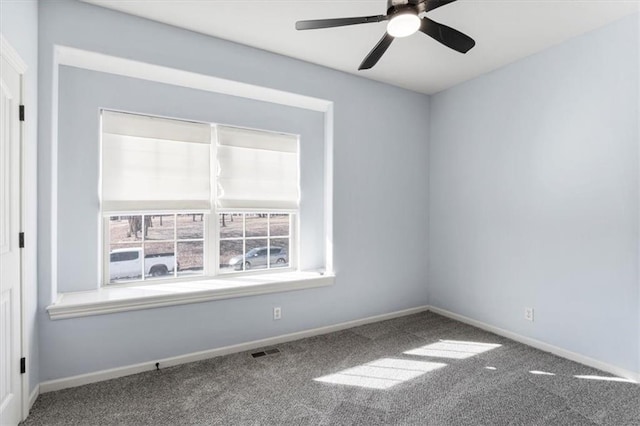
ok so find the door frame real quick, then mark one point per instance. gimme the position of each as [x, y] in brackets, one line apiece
[13, 58]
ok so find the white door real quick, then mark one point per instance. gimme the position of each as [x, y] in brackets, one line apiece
[10, 326]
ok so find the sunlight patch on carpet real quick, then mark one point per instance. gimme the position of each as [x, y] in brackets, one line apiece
[541, 373]
[382, 373]
[607, 379]
[454, 349]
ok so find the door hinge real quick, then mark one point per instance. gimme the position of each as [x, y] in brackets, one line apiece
[21, 113]
[23, 365]
[21, 240]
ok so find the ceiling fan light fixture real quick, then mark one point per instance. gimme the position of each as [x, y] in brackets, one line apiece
[403, 19]
[403, 24]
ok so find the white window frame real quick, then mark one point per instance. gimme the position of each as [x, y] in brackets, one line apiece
[211, 232]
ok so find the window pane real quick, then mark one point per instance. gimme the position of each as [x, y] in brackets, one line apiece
[124, 229]
[279, 252]
[231, 256]
[190, 226]
[190, 258]
[256, 254]
[125, 262]
[159, 227]
[256, 225]
[159, 259]
[279, 225]
[230, 225]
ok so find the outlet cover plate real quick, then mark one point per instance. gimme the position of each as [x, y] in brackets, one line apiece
[528, 314]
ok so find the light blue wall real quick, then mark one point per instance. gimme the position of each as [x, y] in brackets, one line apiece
[379, 161]
[533, 191]
[19, 26]
[532, 171]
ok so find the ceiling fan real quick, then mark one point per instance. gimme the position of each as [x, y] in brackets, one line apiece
[404, 20]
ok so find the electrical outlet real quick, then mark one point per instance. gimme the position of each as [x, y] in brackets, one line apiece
[277, 313]
[528, 314]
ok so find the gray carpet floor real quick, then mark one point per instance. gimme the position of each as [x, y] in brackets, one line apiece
[421, 369]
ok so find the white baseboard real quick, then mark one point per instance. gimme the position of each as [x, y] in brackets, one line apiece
[563, 353]
[113, 373]
[98, 376]
[32, 399]
[33, 396]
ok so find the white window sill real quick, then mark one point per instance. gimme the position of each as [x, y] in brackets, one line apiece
[108, 300]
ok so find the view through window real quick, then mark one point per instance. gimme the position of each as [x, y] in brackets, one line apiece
[154, 246]
[254, 241]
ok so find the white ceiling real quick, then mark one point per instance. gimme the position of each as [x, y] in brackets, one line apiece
[504, 30]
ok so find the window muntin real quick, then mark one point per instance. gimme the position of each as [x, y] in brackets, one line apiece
[158, 173]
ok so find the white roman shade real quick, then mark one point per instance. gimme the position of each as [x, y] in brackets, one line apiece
[257, 170]
[154, 164]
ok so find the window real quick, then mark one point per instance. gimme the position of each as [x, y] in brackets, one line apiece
[247, 238]
[184, 199]
[172, 245]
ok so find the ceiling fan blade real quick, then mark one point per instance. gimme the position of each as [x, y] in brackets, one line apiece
[434, 4]
[338, 22]
[376, 53]
[451, 38]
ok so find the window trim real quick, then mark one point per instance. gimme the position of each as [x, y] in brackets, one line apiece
[117, 65]
[132, 297]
